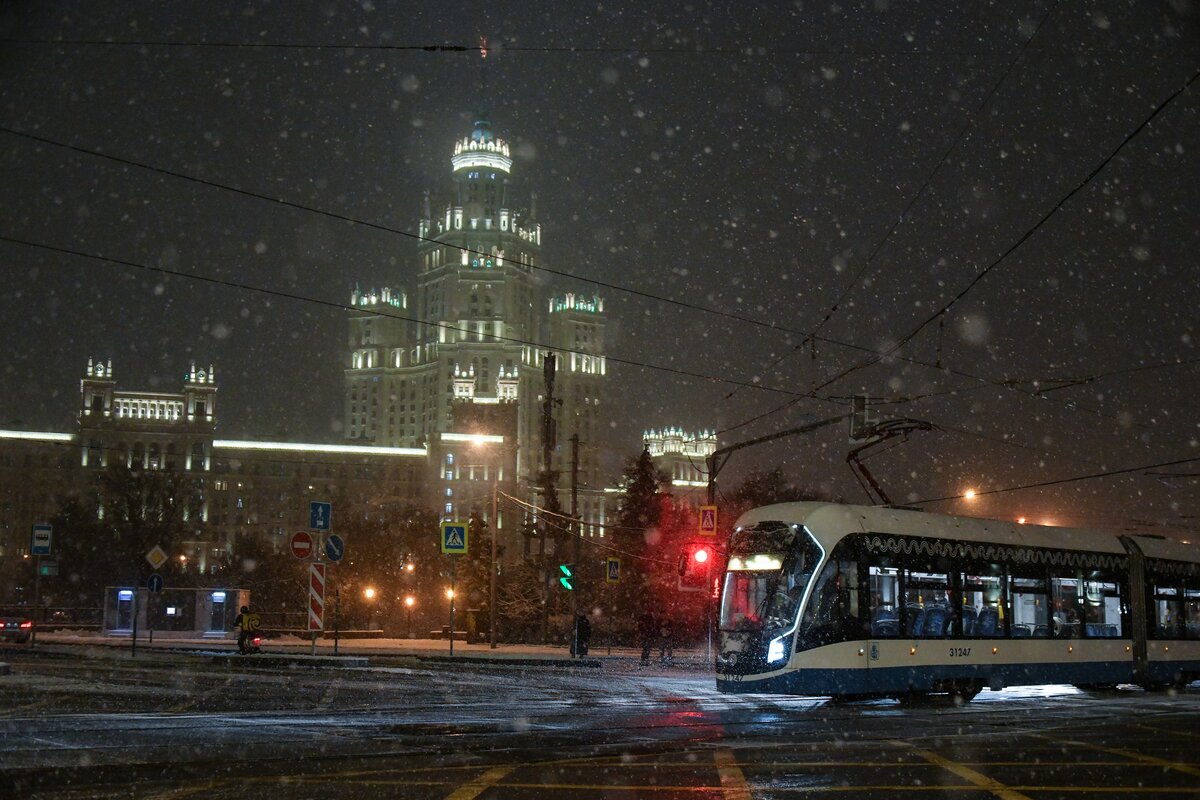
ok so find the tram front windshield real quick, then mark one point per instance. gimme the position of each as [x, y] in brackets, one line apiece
[769, 566]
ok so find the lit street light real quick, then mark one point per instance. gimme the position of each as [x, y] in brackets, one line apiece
[409, 602]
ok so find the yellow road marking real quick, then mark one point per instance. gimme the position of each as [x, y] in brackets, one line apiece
[733, 782]
[487, 780]
[978, 778]
[1141, 758]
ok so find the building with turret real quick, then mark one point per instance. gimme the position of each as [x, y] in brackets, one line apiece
[683, 457]
[476, 333]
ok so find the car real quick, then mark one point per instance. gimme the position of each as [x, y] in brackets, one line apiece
[18, 629]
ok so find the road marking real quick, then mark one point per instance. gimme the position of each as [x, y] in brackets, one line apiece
[733, 782]
[978, 778]
[1153, 761]
[487, 780]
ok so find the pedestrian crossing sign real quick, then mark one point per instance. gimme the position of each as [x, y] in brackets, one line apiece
[708, 520]
[613, 570]
[454, 538]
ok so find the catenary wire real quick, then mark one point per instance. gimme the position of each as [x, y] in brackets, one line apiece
[979, 276]
[183, 176]
[912, 201]
[1060, 481]
[699, 51]
[345, 307]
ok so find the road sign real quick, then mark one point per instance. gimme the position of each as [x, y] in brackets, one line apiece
[319, 515]
[454, 538]
[157, 557]
[567, 576]
[155, 583]
[48, 568]
[302, 544]
[335, 548]
[708, 520]
[613, 570]
[41, 540]
[316, 597]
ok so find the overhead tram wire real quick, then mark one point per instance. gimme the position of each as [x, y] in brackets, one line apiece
[912, 201]
[387, 229]
[1060, 481]
[615, 287]
[700, 51]
[891, 351]
[345, 307]
[593, 542]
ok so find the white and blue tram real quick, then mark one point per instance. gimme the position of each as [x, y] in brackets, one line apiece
[859, 601]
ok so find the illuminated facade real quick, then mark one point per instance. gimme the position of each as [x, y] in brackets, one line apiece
[244, 486]
[683, 457]
[477, 334]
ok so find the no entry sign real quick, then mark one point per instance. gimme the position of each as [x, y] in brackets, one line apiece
[302, 544]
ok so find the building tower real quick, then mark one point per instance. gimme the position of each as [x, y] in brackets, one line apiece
[476, 336]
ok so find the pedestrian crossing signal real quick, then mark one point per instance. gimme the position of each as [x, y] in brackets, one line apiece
[568, 575]
[694, 563]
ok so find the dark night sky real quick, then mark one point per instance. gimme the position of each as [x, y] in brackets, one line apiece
[756, 178]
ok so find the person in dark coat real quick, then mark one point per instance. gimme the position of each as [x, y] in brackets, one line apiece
[647, 630]
[666, 641]
[583, 635]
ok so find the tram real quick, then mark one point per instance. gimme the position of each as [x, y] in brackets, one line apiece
[860, 601]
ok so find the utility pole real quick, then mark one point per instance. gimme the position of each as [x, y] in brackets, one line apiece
[495, 532]
[576, 533]
[549, 494]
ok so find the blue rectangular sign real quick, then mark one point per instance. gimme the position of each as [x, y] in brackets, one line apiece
[319, 515]
[41, 540]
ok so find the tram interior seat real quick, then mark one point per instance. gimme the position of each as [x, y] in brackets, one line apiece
[1021, 631]
[1041, 631]
[969, 618]
[936, 620]
[885, 622]
[988, 622]
[916, 619]
[1102, 630]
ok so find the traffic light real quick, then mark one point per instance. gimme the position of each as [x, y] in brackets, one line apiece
[694, 564]
[568, 575]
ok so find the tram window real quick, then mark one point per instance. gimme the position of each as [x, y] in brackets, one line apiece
[1102, 608]
[1030, 615]
[884, 591]
[1191, 613]
[982, 610]
[1168, 613]
[832, 611]
[928, 611]
[1066, 621]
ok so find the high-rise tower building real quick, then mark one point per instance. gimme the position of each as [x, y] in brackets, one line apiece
[478, 333]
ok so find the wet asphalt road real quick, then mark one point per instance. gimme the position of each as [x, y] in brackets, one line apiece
[179, 726]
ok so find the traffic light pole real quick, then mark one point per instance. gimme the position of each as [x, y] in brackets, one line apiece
[492, 587]
[576, 534]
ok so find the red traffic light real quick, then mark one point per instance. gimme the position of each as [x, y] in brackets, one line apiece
[700, 555]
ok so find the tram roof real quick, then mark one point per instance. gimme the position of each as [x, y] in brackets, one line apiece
[830, 521]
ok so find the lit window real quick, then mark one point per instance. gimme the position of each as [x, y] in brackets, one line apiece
[449, 458]
[449, 508]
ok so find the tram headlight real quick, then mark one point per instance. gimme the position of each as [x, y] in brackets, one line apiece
[775, 650]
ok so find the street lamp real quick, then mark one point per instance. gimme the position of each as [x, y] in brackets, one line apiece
[408, 606]
[495, 466]
[369, 593]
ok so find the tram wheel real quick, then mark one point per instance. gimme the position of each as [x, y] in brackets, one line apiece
[964, 692]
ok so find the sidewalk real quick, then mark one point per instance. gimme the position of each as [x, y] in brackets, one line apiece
[377, 652]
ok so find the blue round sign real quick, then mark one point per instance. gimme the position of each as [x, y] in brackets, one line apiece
[155, 583]
[335, 548]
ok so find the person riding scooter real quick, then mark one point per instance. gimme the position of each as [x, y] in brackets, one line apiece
[248, 623]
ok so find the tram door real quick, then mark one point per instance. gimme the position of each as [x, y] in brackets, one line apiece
[1137, 607]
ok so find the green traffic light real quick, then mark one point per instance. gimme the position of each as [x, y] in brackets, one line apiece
[567, 577]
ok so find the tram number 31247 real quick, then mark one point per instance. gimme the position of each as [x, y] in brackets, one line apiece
[960, 652]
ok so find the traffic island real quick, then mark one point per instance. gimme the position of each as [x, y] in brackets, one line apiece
[276, 660]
